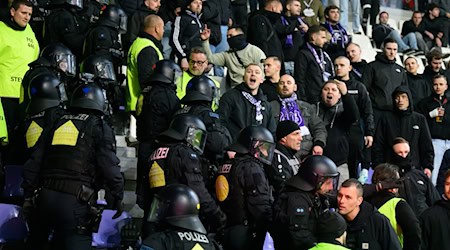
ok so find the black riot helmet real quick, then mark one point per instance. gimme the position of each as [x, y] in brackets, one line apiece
[72, 3]
[114, 17]
[256, 141]
[60, 57]
[166, 71]
[314, 171]
[45, 91]
[89, 96]
[200, 88]
[100, 66]
[188, 128]
[178, 205]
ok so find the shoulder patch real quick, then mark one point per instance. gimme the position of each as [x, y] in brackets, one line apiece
[194, 156]
[34, 131]
[156, 176]
[66, 134]
[222, 188]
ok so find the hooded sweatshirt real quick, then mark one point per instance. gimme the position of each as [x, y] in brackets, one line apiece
[408, 124]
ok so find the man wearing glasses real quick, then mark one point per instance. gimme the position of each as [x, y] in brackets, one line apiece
[198, 65]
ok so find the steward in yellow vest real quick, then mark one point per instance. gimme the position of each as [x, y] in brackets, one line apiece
[143, 54]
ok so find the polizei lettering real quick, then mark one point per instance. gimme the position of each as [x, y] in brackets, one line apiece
[193, 236]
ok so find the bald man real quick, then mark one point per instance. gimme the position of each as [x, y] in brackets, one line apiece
[359, 152]
[359, 65]
[145, 51]
[288, 107]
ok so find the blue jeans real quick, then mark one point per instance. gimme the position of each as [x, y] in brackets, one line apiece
[356, 6]
[439, 146]
[401, 44]
[165, 40]
[221, 47]
[411, 40]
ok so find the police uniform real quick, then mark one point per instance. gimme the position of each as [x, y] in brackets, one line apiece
[284, 166]
[178, 163]
[179, 239]
[103, 40]
[243, 192]
[69, 165]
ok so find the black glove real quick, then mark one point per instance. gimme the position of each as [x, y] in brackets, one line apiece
[118, 205]
[27, 207]
[382, 185]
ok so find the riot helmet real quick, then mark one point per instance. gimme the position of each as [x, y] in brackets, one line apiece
[188, 128]
[178, 205]
[114, 17]
[256, 141]
[100, 66]
[89, 96]
[314, 171]
[73, 3]
[60, 57]
[200, 88]
[45, 91]
[166, 71]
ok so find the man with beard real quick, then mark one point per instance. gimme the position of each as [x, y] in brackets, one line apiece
[240, 55]
[339, 36]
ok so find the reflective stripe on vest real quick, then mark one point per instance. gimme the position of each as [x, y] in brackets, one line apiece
[133, 90]
[388, 210]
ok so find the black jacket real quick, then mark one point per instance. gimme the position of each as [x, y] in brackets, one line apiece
[409, 26]
[295, 216]
[359, 92]
[270, 90]
[438, 130]
[309, 75]
[159, 105]
[211, 17]
[136, 24]
[185, 34]
[372, 228]
[339, 41]
[262, 32]
[445, 165]
[420, 88]
[288, 26]
[284, 166]
[338, 120]
[237, 113]
[435, 226]
[147, 59]
[428, 74]
[381, 78]
[405, 218]
[380, 32]
[408, 124]
[359, 69]
[103, 40]
[225, 11]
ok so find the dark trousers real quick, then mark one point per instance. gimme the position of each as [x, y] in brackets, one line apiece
[241, 237]
[240, 15]
[12, 114]
[358, 153]
[63, 214]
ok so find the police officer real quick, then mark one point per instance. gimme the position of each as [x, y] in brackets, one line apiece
[177, 160]
[102, 70]
[66, 25]
[69, 165]
[44, 109]
[179, 227]
[243, 189]
[300, 203]
[200, 93]
[103, 38]
[56, 59]
[155, 110]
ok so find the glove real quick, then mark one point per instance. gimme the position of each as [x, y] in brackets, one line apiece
[118, 205]
[27, 207]
[363, 176]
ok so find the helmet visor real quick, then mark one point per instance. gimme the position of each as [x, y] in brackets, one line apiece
[66, 63]
[196, 138]
[263, 151]
[327, 184]
[154, 214]
[76, 3]
[105, 71]
[123, 24]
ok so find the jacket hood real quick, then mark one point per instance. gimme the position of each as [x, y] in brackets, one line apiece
[403, 89]
[429, 71]
[382, 58]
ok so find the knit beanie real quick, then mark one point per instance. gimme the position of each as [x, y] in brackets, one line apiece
[286, 127]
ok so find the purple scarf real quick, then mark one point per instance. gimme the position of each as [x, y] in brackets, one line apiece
[290, 110]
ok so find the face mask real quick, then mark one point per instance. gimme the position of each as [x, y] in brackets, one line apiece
[237, 42]
[402, 163]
